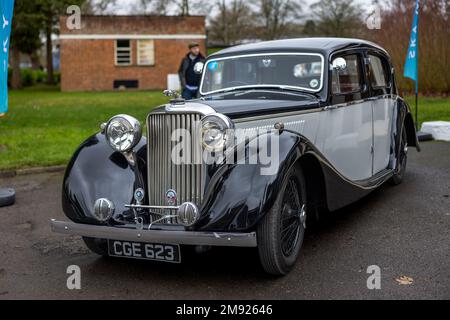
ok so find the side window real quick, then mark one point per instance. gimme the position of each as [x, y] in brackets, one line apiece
[378, 77]
[347, 79]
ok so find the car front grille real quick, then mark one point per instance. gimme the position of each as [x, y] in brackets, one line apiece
[163, 174]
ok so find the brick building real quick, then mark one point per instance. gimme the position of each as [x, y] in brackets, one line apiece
[138, 52]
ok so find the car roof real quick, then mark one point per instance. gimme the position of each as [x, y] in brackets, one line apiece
[325, 46]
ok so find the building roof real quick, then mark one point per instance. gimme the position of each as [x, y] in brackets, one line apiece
[323, 45]
[142, 24]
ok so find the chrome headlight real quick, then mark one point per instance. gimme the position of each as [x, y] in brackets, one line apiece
[123, 132]
[217, 132]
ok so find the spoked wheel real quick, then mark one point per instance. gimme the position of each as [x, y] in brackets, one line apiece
[397, 178]
[280, 233]
[292, 217]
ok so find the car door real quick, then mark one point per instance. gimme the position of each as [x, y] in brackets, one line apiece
[380, 82]
[346, 126]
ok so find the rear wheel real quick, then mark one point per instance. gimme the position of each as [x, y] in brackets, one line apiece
[280, 233]
[397, 178]
[98, 246]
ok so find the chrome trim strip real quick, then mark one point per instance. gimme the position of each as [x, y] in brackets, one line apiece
[351, 103]
[222, 239]
[266, 85]
[188, 107]
[276, 115]
[325, 108]
[139, 206]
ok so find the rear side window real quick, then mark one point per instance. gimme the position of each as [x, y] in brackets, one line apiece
[377, 72]
[348, 79]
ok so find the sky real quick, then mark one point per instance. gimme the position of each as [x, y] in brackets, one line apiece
[123, 6]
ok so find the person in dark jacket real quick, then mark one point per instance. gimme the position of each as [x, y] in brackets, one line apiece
[189, 79]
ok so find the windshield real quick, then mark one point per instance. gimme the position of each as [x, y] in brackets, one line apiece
[297, 71]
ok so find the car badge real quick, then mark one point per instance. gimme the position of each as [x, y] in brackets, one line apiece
[139, 195]
[171, 197]
[314, 83]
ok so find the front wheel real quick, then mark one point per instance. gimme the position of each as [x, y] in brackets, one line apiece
[280, 233]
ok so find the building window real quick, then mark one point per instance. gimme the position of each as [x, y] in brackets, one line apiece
[145, 53]
[123, 52]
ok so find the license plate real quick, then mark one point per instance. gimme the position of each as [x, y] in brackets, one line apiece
[145, 251]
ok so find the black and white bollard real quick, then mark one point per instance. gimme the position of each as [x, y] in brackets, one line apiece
[7, 197]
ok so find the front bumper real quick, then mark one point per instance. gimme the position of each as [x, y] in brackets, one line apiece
[223, 239]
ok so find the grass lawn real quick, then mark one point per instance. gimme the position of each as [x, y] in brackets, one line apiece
[430, 109]
[44, 126]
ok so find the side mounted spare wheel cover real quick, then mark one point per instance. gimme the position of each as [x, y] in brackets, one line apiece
[7, 197]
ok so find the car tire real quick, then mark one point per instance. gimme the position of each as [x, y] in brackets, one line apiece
[399, 174]
[98, 246]
[278, 249]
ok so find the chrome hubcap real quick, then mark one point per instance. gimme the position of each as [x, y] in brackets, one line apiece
[302, 216]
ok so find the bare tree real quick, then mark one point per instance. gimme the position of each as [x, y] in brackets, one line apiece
[193, 7]
[310, 28]
[434, 50]
[98, 6]
[161, 7]
[165, 7]
[276, 15]
[103, 5]
[232, 23]
[337, 18]
[184, 7]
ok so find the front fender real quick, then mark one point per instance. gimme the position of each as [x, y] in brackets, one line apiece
[407, 121]
[238, 195]
[97, 171]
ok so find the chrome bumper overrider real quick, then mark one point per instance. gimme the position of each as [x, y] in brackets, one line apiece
[224, 239]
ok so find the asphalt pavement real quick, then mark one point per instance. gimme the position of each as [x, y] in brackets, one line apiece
[404, 230]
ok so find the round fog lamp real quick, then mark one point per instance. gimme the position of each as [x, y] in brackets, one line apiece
[103, 209]
[188, 214]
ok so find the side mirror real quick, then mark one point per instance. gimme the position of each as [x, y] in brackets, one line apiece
[339, 64]
[198, 67]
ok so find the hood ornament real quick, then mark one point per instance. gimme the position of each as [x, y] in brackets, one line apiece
[172, 94]
[176, 97]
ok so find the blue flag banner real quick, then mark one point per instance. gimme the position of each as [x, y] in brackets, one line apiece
[411, 65]
[6, 13]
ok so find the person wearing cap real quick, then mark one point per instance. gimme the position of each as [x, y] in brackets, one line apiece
[189, 79]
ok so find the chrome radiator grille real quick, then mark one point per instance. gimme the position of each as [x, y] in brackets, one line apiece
[164, 174]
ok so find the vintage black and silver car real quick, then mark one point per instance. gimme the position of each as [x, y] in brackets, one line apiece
[323, 126]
